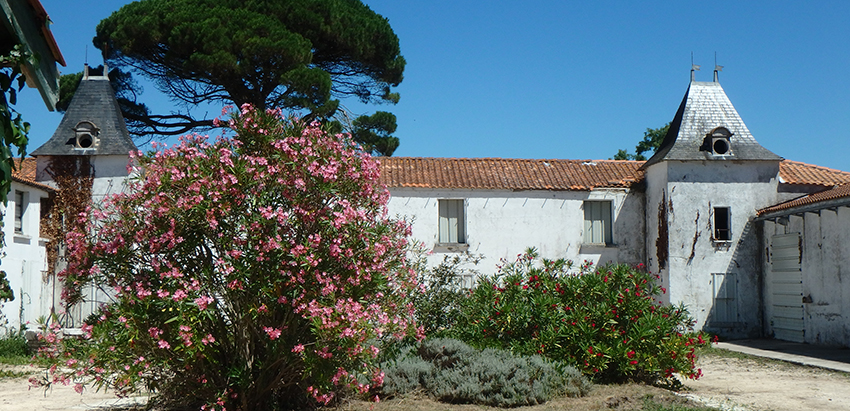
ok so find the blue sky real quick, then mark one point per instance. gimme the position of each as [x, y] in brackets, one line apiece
[577, 79]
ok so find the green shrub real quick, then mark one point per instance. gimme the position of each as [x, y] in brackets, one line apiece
[451, 371]
[14, 349]
[438, 307]
[406, 374]
[606, 322]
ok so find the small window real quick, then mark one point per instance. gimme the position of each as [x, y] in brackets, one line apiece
[722, 224]
[20, 208]
[86, 135]
[452, 222]
[597, 222]
[719, 141]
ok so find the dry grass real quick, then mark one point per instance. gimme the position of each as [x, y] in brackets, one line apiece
[625, 397]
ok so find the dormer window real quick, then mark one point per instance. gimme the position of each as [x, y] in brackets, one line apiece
[718, 141]
[85, 135]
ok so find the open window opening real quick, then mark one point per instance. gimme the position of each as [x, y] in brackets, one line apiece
[718, 142]
[722, 224]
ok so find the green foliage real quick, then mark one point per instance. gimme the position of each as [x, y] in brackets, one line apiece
[623, 155]
[14, 349]
[652, 139]
[13, 130]
[12, 373]
[374, 133]
[453, 372]
[606, 321]
[439, 306]
[300, 55]
[6, 292]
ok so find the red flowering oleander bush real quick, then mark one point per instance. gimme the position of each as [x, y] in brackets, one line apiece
[606, 322]
[253, 272]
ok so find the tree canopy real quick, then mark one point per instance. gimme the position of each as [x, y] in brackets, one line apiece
[652, 139]
[300, 55]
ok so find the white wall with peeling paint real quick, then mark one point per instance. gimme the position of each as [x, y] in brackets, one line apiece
[717, 280]
[824, 262]
[501, 224]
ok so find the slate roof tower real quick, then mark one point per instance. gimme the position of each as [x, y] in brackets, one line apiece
[707, 127]
[703, 186]
[92, 125]
[91, 132]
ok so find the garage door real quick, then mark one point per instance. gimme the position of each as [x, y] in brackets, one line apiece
[787, 284]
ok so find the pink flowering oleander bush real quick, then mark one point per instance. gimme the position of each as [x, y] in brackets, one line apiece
[605, 321]
[253, 272]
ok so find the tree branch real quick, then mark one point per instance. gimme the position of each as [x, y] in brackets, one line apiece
[165, 125]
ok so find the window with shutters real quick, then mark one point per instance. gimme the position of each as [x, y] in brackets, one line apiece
[597, 223]
[452, 222]
[20, 209]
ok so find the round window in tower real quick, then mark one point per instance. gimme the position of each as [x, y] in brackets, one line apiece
[720, 146]
[85, 140]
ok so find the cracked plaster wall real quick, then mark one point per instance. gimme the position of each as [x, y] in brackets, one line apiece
[503, 223]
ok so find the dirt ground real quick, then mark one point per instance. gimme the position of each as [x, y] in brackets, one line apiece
[743, 384]
[16, 395]
[729, 383]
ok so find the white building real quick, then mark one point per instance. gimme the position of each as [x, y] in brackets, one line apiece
[495, 208]
[24, 260]
[807, 254]
[713, 212]
[688, 213]
[91, 142]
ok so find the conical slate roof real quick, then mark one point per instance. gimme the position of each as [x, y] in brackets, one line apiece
[704, 108]
[94, 102]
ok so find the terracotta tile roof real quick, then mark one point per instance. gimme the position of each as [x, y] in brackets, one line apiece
[25, 174]
[794, 172]
[507, 174]
[835, 193]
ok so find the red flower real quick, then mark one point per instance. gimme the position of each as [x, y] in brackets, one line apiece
[630, 354]
[633, 362]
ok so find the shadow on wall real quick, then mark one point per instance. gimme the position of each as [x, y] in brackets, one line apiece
[736, 301]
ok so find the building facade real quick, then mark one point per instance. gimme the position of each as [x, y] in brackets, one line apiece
[689, 213]
[24, 258]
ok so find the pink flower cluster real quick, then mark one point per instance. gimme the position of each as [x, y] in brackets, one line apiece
[280, 232]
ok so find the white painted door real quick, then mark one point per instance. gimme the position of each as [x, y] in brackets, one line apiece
[787, 284]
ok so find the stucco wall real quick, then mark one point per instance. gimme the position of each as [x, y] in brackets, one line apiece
[700, 269]
[656, 223]
[501, 224]
[110, 176]
[825, 258]
[24, 261]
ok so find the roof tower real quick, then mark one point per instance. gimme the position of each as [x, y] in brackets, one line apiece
[707, 127]
[92, 125]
